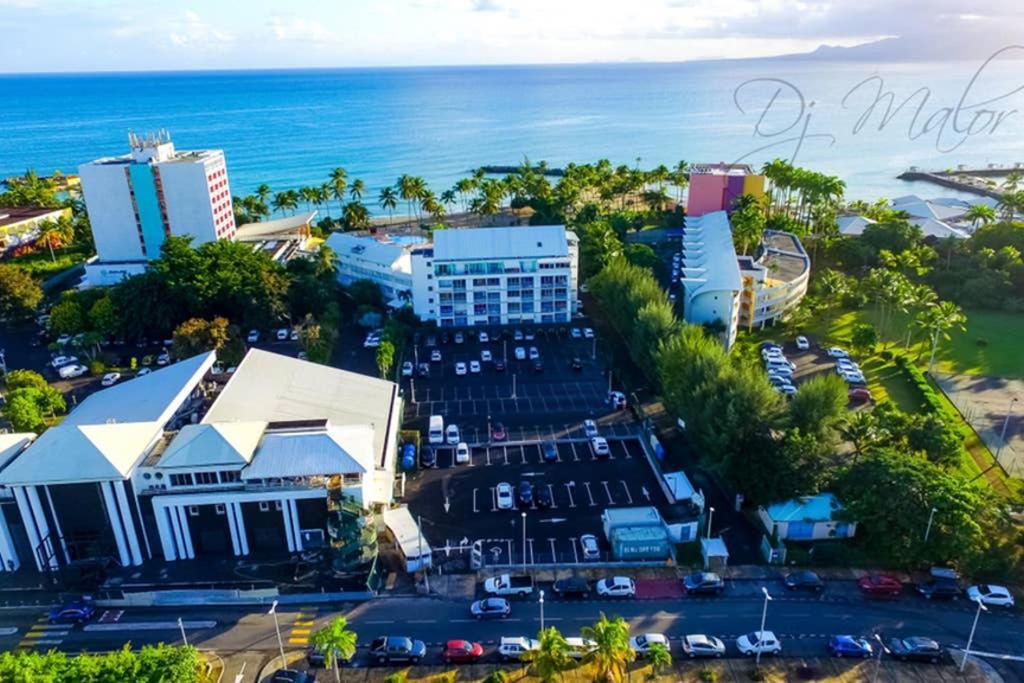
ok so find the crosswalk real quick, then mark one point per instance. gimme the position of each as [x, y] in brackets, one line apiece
[44, 634]
[302, 627]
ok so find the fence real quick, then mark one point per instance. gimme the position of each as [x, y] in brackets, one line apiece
[984, 404]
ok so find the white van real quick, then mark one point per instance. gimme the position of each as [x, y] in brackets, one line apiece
[436, 432]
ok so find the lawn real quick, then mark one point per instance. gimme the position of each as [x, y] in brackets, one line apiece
[41, 266]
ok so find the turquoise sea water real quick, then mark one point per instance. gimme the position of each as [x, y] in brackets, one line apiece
[289, 128]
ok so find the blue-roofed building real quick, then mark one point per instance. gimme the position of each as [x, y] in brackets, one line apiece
[810, 518]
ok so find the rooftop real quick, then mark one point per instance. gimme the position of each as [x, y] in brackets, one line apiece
[280, 228]
[381, 251]
[315, 452]
[18, 214]
[818, 508]
[721, 168]
[464, 244]
[13, 444]
[709, 257]
[208, 445]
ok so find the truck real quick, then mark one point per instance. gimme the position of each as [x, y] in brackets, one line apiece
[509, 585]
[640, 544]
[436, 432]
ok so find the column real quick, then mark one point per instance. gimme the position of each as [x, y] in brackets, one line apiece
[289, 530]
[8, 555]
[243, 540]
[186, 533]
[115, 523]
[41, 525]
[165, 531]
[127, 522]
[56, 523]
[179, 539]
[295, 524]
[30, 523]
[229, 512]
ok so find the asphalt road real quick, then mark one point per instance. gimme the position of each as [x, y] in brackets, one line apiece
[802, 622]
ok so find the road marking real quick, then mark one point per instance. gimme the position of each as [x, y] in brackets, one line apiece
[504, 453]
[474, 501]
[568, 489]
[8, 630]
[554, 555]
[575, 552]
[551, 493]
[529, 544]
[385, 621]
[149, 626]
[494, 500]
[626, 487]
[487, 452]
[611, 501]
[590, 495]
[301, 631]
[522, 454]
[421, 621]
[575, 455]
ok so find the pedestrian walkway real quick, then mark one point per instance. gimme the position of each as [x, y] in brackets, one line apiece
[44, 634]
[302, 627]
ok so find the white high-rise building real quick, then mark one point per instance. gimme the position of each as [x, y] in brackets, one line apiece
[136, 201]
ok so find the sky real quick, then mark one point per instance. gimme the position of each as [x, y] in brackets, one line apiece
[139, 35]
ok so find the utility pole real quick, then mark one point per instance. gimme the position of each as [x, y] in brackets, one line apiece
[711, 516]
[970, 639]
[764, 615]
[277, 628]
[524, 542]
[542, 610]
[181, 625]
[928, 529]
[1002, 436]
[878, 663]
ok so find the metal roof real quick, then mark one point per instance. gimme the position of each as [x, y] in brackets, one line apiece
[818, 508]
[476, 244]
[207, 445]
[321, 452]
[391, 255]
[709, 257]
[13, 444]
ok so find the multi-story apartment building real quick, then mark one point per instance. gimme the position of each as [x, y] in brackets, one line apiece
[138, 200]
[384, 260]
[774, 279]
[714, 187]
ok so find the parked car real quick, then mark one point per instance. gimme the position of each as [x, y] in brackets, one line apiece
[576, 333]
[423, 370]
[483, 337]
[534, 353]
[836, 352]
[499, 365]
[462, 652]
[880, 585]
[769, 345]
[485, 356]
[579, 647]
[254, 336]
[428, 457]
[600, 446]
[991, 595]
[460, 369]
[850, 646]
[700, 645]
[591, 551]
[491, 608]
[317, 659]
[588, 333]
[58, 361]
[461, 453]
[291, 676]
[516, 647]
[805, 581]
[505, 497]
[803, 343]
[703, 583]
[459, 338]
[616, 587]
[764, 642]
[786, 389]
[542, 496]
[407, 369]
[590, 428]
[474, 367]
[859, 395]
[498, 432]
[72, 371]
[520, 353]
[517, 335]
[110, 379]
[282, 334]
[617, 400]
[163, 358]
[435, 356]
[549, 451]
[940, 589]
[145, 371]
[525, 493]
[642, 644]
[389, 649]
[72, 612]
[508, 585]
[915, 649]
[576, 364]
[294, 334]
[570, 587]
[452, 435]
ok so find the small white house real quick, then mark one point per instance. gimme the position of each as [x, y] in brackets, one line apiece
[811, 518]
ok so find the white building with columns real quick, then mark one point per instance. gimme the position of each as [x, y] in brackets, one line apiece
[174, 466]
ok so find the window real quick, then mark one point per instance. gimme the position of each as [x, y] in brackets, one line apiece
[264, 506]
[181, 479]
[219, 509]
[206, 478]
[193, 510]
[277, 505]
[230, 476]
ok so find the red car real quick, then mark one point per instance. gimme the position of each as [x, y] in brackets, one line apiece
[859, 395]
[462, 651]
[880, 585]
[498, 432]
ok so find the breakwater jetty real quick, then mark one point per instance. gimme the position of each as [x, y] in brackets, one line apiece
[975, 180]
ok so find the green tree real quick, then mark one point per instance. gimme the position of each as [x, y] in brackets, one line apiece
[660, 658]
[196, 335]
[862, 431]
[22, 379]
[20, 294]
[599, 245]
[552, 657]
[67, 317]
[939, 320]
[336, 641]
[103, 317]
[28, 406]
[366, 293]
[355, 216]
[864, 338]
[388, 200]
[747, 221]
[385, 357]
[611, 654]
[820, 405]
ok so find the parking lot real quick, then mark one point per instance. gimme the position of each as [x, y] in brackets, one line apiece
[460, 504]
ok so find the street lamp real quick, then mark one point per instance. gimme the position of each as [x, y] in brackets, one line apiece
[1006, 423]
[711, 516]
[277, 627]
[764, 615]
[524, 542]
[970, 639]
[878, 664]
[928, 529]
[542, 611]
[181, 625]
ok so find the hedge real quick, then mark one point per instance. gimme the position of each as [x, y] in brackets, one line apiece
[933, 403]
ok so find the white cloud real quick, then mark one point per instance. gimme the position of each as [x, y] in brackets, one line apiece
[193, 32]
[296, 29]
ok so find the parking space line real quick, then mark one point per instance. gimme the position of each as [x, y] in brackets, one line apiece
[529, 544]
[551, 493]
[568, 489]
[626, 487]
[575, 455]
[504, 453]
[487, 454]
[474, 501]
[575, 552]
[554, 555]
[590, 495]
[611, 501]
[522, 454]
[494, 500]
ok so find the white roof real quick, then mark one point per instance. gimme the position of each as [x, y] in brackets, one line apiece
[270, 387]
[714, 547]
[319, 452]
[470, 244]
[680, 485]
[12, 444]
[853, 225]
[709, 257]
[207, 445]
[408, 535]
[934, 228]
[924, 208]
[383, 253]
[280, 227]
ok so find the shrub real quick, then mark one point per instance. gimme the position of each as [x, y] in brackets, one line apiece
[97, 367]
[397, 677]
[759, 673]
[447, 676]
[499, 676]
[708, 675]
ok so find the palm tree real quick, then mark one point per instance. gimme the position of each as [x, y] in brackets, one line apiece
[464, 186]
[357, 189]
[680, 175]
[323, 195]
[355, 216]
[612, 653]
[338, 182]
[280, 202]
[862, 431]
[336, 641]
[263, 192]
[1011, 203]
[309, 195]
[747, 222]
[660, 658]
[980, 214]
[388, 200]
[940, 319]
[551, 658]
[408, 190]
[448, 197]
[326, 261]
[54, 235]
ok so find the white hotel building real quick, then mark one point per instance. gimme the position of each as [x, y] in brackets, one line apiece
[471, 276]
[138, 200]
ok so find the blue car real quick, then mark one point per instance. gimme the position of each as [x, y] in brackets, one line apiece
[74, 612]
[850, 646]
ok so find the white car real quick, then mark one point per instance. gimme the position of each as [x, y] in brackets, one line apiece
[460, 369]
[483, 338]
[591, 551]
[504, 495]
[164, 358]
[110, 379]
[836, 352]
[63, 339]
[786, 389]
[530, 335]
[847, 364]
[576, 333]
[474, 367]
[616, 587]
[641, 645]
[590, 428]
[534, 353]
[588, 333]
[294, 335]
[72, 371]
[778, 369]
[518, 335]
[764, 642]
[435, 356]
[803, 343]
[461, 453]
[452, 435]
[580, 647]
[372, 341]
[63, 360]
[253, 337]
[516, 648]
[700, 645]
[485, 356]
[600, 446]
[993, 596]
[459, 338]
[282, 334]
[617, 400]
[146, 371]
[520, 353]
[854, 378]
[407, 369]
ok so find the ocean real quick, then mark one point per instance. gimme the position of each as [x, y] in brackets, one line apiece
[290, 128]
